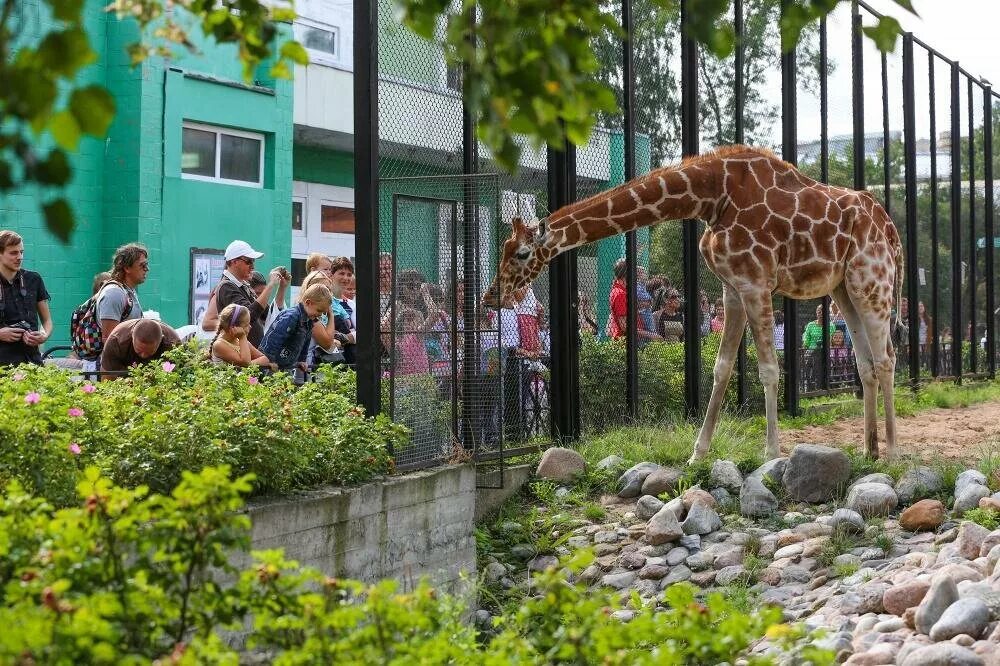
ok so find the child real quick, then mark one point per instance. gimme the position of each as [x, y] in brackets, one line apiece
[286, 343]
[411, 353]
[230, 344]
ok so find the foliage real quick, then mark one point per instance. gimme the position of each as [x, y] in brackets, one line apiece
[149, 428]
[131, 577]
[41, 97]
[988, 518]
[531, 63]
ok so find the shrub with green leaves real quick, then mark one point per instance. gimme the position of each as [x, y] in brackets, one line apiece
[164, 419]
[988, 518]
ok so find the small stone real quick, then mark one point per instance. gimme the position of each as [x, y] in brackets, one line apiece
[812, 530]
[942, 593]
[677, 556]
[483, 620]
[970, 477]
[725, 474]
[889, 626]
[663, 527]
[619, 581]
[876, 477]
[755, 499]
[905, 595]
[606, 537]
[653, 572]
[728, 557]
[965, 640]
[773, 469]
[968, 497]
[942, 654]
[623, 615]
[771, 576]
[795, 574]
[662, 480]
[677, 574]
[927, 514]
[690, 541]
[578, 541]
[816, 473]
[630, 482]
[965, 616]
[493, 572]
[522, 551]
[632, 561]
[847, 560]
[591, 573]
[918, 483]
[866, 598]
[788, 551]
[970, 539]
[701, 519]
[959, 572]
[647, 506]
[787, 538]
[729, 574]
[872, 499]
[700, 561]
[721, 495]
[989, 503]
[703, 578]
[611, 462]
[543, 562]
[693, 495]
[602, 549]
[847, 521]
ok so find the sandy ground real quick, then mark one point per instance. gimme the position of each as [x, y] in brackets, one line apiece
[961, 434]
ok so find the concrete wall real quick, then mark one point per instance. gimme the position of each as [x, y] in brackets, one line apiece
[402, 527]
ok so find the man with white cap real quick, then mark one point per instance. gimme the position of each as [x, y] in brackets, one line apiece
[235, 287]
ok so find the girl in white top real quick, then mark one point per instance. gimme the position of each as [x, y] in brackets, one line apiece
[231, 345]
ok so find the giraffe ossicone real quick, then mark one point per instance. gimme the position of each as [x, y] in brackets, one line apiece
[770, 230]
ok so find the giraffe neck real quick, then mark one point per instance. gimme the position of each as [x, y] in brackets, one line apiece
[689, 191]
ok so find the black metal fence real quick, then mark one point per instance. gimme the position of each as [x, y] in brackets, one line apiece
[916, 130]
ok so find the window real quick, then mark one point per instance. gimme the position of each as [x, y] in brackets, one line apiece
[298, 223]
[321, 40]
[222, 155]
[336, 220]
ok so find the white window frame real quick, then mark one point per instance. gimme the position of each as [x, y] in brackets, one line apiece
[317, 57]
[219, 131]
[301, 233]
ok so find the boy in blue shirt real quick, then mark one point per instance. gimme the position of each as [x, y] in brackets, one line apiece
[286, 343]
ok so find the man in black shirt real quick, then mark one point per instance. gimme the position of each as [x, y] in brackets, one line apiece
[23, 300]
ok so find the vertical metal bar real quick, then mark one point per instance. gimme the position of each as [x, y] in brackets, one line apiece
[910, 159]
[824, 171]
[935, 342]
[886, 145]
[957, 334]
[631, 250]
[991, 343]
[453, 330]
[366, 201]
[857, 98]
[742, 395]
[789, 137]
[559, 324]
[689, 146]
[472, 400]
[392, 306]
[571, 340]
[973, 337]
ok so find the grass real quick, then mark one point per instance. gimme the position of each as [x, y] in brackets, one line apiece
[988, 518]
[845, 569]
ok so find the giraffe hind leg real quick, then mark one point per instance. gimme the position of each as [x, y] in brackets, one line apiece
[866, 367]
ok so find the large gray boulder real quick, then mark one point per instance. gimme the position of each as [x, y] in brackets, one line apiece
[917, 484]
[965, 616]
[726, 475]
[630, 482]
[816, 473]
[560, 464]
[662, 480]
[701, 519]
[943, 593]
[967, 497]
[756, 501]
[663, 527]
[872, 499]
[970, 477]
[773, 469]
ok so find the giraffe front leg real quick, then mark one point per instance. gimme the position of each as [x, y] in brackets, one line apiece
[761, 315]
[732, 333]
[866, 370]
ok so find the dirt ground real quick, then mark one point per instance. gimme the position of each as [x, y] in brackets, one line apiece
[962, 433]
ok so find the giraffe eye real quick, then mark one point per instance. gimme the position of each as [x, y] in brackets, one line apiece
[523, 253]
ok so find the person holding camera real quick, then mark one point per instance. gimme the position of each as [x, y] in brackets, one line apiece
[23, 301]
[235, 287]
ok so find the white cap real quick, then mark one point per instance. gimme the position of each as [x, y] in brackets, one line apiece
[239, 248]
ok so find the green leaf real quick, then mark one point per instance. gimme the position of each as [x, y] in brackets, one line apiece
[295, 52]
[94, 109]
[54, 170]
[907, 5]
[884, 34]
[66, 52]
[59, 219]
[65, 130]
[66, 10]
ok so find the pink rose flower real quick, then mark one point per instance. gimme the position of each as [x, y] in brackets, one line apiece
[89, 388]
[32, 398]
[75, 411]
[74, 448]
[168, 366]
[253, 381]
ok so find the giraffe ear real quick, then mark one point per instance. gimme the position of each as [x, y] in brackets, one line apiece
[519, 227]
[542, 231]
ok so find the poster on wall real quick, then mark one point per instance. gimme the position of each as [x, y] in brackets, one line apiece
[206, 270]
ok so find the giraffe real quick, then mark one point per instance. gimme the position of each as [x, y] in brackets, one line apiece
[770, 230]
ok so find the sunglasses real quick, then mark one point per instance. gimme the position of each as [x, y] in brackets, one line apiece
[247, 261]
[144, 265]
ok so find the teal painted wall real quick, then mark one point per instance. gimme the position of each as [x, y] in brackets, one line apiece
[319, 165]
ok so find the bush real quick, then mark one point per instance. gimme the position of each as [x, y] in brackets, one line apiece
[164, 419]
[129, 577]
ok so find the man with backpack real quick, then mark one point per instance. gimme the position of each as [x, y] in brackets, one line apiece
[23, 300]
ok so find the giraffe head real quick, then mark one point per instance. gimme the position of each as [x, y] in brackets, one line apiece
[521, 260]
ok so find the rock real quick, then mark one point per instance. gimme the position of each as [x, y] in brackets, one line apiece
[958, 572]
[610, 463]
[560, 464]
[663, 527]
[791, 550]
[703, 578]
[918, 483]
[726, 475]
[591, 573]
[926, 514]
[677, 506]
[543, 562]
[691, 541]
[889, 626]
[872, 499]
[697, 495]
[970, 539]
[581, 541]
[623, 615]
[606, 536]
[721, 495]
[905, 595]
[990, 503]
[942, 654]
[677, 574]
[653, 572]
[866, 598]
[493, 572]
[630, 482]
[701, 519]
[812, 530]
[942, 593]
[619, 581]
[483, 620]
[755, 499]
[877, 477]
[647, 506]
[729, 574]
[965, 616]
[795, 574]
[969, 477]
[632, 561]
[989, 597]
[728, 557]
[677, 555]
[816, 473]
[773, 469]
[522, 551]
[847, 521]
[877, 655]
[968, 497]
[847, 559]
[662, 480]
[700, 561]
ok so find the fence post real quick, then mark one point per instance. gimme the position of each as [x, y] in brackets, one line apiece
[936, 342]
[631, 250]
[824, 171]
[471, 271]
[956, 226]
[689, 146]
[858, 97]
[973, 335]
[991, 343]
[366, 201]
[789, 153]
[910, 159]
[563, 322]
[742, 396]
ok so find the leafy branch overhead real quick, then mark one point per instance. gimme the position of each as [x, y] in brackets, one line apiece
[39, 95]
[532, 63]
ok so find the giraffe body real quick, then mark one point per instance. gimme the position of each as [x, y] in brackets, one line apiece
[770, 229]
